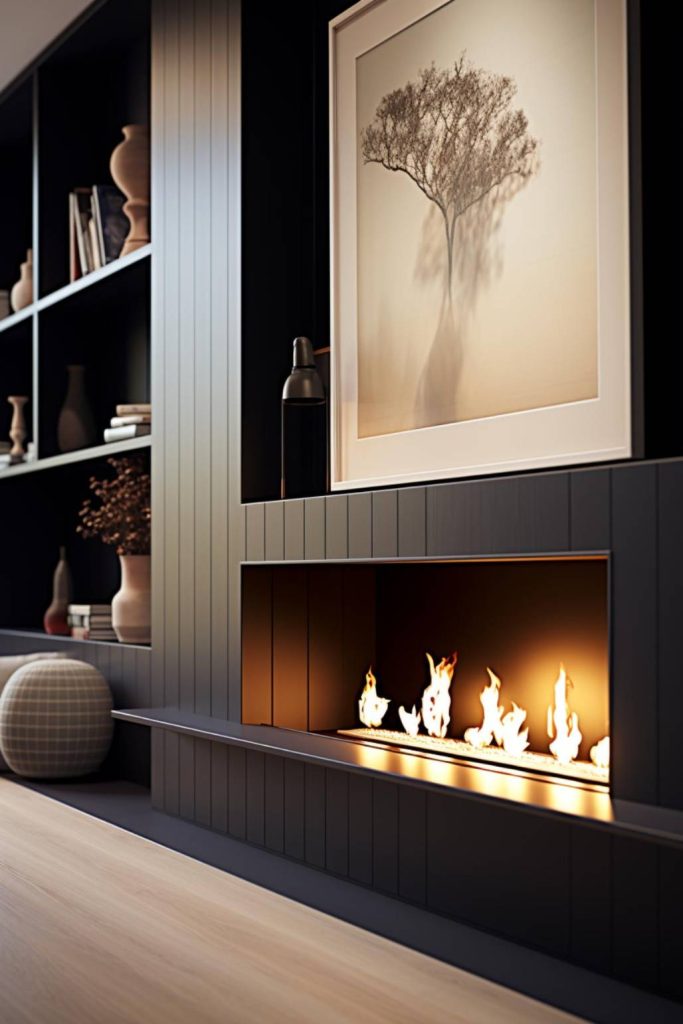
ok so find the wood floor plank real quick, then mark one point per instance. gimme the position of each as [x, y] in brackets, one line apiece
[97, 924]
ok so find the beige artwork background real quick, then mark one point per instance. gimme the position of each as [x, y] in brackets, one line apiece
[524, 328]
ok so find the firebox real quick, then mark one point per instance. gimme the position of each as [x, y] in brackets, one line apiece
[501, 664]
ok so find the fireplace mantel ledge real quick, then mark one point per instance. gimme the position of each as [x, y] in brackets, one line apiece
[540, 796]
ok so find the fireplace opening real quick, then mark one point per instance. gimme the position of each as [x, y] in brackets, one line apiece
[499, 663]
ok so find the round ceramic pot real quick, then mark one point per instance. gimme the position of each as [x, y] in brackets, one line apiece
[131, 608]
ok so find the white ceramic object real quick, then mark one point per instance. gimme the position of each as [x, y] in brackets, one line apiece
[131, 608]
[22, 293]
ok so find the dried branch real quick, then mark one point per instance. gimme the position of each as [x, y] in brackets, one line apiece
[123, 516]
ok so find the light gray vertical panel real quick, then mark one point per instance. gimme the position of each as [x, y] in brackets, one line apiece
[385, 524]
[166, 280]
[360, 525]
[336, 526]
[275, 532]
[161, 330]
[157, 769]
[129, 676]
[231, 10]
[204, 217]
[412, 525]
[256, 533]
[171, 783]
[314, 528]
[294, 529]
[144, 661]
[202, 782]
[187, 313]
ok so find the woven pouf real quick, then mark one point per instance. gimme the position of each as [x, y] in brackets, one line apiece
[55, 719]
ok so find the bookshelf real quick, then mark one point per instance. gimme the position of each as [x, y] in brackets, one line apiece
[58, 127]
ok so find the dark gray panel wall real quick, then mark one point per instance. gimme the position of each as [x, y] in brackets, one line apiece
[195, 190]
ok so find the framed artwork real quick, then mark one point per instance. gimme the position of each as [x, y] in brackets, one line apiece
[480, 238]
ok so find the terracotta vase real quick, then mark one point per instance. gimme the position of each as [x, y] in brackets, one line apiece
[22, 293]
[18, 432]
[129, 168]
[75, 426]
[55, 619]
[131, 608]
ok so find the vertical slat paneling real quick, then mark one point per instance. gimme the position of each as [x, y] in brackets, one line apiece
[294, 530]
[360, 829]
[275, 804]
[314, 815]
[385, 524]
[257, 646]
[360, 525]
[337, 822]
[591, 889]
[670, 620]
[255, 538]
[590, 510]
[670, 917]
[219, 787]
[221, 429]
[336, 526]
[412, 844]
[412, 522]
[295, 811]
[205, 215]
[256, 797]
[275, 532]
[202, 782]
[290, 648]
[237, 792]
[327, 693]
[158, 769]
[634, 633]
[187, 316]
[385, 836]
[172, 772]
[186, 776]
[635, 925]
[314, 528]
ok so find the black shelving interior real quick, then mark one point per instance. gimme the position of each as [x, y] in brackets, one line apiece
[105, 329]
[16, 370]
[93, 85]
[40, 513]
[16, 157]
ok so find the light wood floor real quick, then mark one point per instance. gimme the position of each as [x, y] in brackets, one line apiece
[99, 926]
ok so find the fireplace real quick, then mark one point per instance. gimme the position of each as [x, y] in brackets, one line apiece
[498, 664]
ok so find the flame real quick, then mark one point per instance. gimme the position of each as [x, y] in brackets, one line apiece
[563, 724]
[600, 753]
[410, 720]
[515, 740]
[371, 707]
[436, 699]
[481, 736]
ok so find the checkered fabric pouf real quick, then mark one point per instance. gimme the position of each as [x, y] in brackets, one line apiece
[55, 719]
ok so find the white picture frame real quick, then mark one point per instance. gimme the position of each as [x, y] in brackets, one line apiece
[593, 429]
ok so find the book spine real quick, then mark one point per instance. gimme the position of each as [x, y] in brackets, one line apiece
[126, 421]
[125, 433]
[135, 409]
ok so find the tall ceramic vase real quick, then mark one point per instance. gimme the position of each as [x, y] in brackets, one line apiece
[22, 292]
[56, 618]
[75, 427]
[129, 168]
[131, 608]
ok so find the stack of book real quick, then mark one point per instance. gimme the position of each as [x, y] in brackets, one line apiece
[91, 622]
[130, 421]
[97, 228]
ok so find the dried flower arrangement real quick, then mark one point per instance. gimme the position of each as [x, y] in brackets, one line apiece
[123, 516]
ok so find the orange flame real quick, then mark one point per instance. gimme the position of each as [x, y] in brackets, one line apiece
[563, 724]
[371, 707]
[482, 736]
[600, 753]
[436, 699]
[410, 720]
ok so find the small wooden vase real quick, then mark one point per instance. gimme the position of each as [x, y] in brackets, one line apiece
[56, 618]
[18, 431]
[75, 426]
[129, 168]
[22, 292]
[131, 607]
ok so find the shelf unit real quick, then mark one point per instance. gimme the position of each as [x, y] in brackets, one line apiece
[58, 127]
